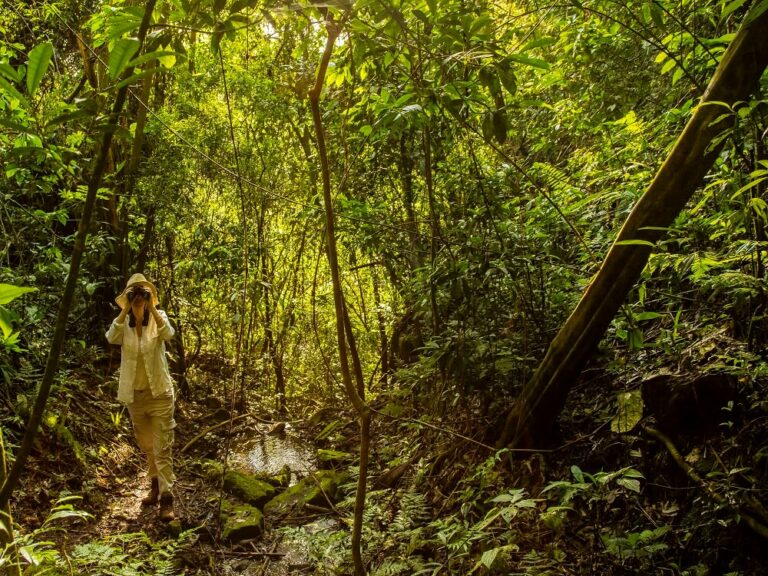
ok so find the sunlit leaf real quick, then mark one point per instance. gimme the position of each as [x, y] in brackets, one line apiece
[11, 90]
[635, 242]
[630, 411]
[39, 59]
[6, 322]
[489, 557]
[529, 61]
[9, 292]
[121, 55]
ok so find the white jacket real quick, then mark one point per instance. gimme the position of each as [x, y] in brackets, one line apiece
[151, 346]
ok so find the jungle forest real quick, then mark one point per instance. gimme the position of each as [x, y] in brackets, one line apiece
[383, 287]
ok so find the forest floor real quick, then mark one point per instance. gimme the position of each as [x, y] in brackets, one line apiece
[93, 454]
[431, 492]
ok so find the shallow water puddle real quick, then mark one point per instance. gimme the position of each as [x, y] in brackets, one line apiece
[270, 454]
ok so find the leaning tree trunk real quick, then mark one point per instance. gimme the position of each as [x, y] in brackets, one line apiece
[693, 154]
[59, 331]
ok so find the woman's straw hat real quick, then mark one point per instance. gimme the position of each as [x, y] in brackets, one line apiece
[140, 280]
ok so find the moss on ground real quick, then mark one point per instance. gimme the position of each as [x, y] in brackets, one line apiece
[247, 488]
[240, 521]
[311, 490]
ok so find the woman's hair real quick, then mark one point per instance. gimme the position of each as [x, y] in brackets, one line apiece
[132, 318]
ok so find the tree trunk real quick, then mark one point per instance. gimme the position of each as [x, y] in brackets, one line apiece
[52, 361]
[382, 325]
[543, 397]
[122, 258]
[427, 143]
[180, 358]
[354, 394]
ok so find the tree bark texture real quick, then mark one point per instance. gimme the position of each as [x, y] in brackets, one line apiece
[543, 397]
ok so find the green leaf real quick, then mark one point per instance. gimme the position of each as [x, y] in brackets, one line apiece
[668, 66]
[6, 322]
[13, 125]
[507, 78]
[69, 117]
[646, 316]
[645, 13]
[540, 42]
[135, 77]
[9, 89]
[489, 557]
[9, 292]
[731, 7]
[629, 484]
[39, 59]
[9, 72]
[635, 242]
[528, 61]
[756, 11]
[657, 15]
[121, 55]
[155, 55]
[630, 411]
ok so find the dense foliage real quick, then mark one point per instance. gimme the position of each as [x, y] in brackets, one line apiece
[483, 156]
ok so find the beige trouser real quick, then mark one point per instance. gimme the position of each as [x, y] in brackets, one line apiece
[153, 425]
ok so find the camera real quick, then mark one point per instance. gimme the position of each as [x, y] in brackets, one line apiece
[137, 291]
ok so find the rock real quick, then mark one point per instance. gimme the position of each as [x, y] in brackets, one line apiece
[213, 403]
[321, 416]
[248, 488]
[212, 469]
[307, 491]
[240, 521]
[333, 458]
[280, 480]
[283, 478]
[688, 405]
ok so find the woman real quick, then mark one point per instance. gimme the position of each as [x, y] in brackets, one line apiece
[145, 386]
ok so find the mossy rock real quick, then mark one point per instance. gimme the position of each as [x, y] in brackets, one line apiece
[333, 458]
[310, 490]
[247, 488]
[240, 521]
[212, 469]
[282, 479]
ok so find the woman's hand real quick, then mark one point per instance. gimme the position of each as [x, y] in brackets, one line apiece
[124, 312]
[155, 314]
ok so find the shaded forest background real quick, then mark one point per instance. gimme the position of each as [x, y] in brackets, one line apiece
[481, 158]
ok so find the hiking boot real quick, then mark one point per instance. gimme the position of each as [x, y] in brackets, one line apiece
[166, 507]
[152, 496]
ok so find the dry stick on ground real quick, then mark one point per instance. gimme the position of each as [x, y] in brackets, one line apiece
[543, 397]
[52, 363]
[751, 521]
[212, 428]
